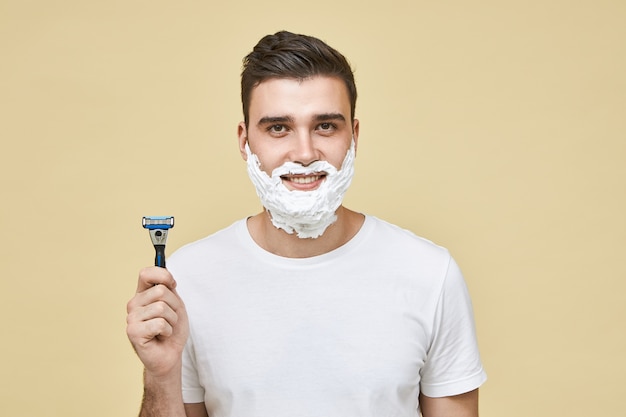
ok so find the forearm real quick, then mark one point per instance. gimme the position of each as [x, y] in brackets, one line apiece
[162, 395]
[463, 405]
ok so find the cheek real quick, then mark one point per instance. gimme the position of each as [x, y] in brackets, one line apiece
[267, 165]
[338, 158]
[264, 157]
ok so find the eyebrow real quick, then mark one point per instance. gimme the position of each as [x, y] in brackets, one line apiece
[288, 119]
[274, 119]
[329, 116]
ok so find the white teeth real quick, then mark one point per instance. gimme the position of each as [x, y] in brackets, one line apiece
[304, 180]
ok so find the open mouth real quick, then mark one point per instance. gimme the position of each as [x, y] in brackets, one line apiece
[303, 179]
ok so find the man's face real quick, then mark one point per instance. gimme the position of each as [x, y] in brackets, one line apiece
[299, 121]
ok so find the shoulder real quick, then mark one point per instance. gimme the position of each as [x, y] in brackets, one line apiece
[398, 239]
[214, 246]
[400, 252]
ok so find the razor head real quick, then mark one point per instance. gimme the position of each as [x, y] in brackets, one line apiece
[158, 227]
[158, 222]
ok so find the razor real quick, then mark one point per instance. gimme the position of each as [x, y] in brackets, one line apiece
[158, 226]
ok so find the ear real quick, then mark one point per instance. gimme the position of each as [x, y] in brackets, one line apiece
[242, 134]
[355, 133]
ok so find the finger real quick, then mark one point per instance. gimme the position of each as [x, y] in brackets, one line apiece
[141, 333]
[155, 294]
[151, 276]
[157, 310]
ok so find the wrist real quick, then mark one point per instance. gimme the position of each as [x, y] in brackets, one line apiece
[162, 394]
[163, 377]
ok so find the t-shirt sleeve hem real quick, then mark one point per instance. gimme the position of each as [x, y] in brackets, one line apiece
[193, 396]
[457, 387]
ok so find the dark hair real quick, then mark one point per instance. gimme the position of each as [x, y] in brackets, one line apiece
[289, 55]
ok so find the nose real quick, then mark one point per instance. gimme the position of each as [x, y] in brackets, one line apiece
[304, 151]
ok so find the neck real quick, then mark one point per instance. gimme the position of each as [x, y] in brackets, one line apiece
[281, 243]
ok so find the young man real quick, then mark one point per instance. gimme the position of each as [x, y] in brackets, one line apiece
[307, 308]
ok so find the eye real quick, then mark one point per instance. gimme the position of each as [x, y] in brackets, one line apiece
[277, 130]
[326, 127]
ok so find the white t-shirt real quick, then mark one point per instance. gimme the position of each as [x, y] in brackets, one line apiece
[355, 332]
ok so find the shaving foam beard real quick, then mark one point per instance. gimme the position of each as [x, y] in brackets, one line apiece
[307, 213]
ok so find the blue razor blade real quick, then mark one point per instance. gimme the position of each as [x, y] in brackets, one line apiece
[158, 222]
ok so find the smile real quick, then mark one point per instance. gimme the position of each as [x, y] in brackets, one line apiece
[303, 179]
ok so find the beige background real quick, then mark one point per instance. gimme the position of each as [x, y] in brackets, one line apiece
[494, 128]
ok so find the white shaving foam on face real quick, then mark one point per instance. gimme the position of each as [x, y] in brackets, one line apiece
[307, 213]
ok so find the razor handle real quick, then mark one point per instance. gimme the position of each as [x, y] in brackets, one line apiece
[159, 258]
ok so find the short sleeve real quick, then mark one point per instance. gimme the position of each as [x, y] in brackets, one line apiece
[192, 389]
[453, 364]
